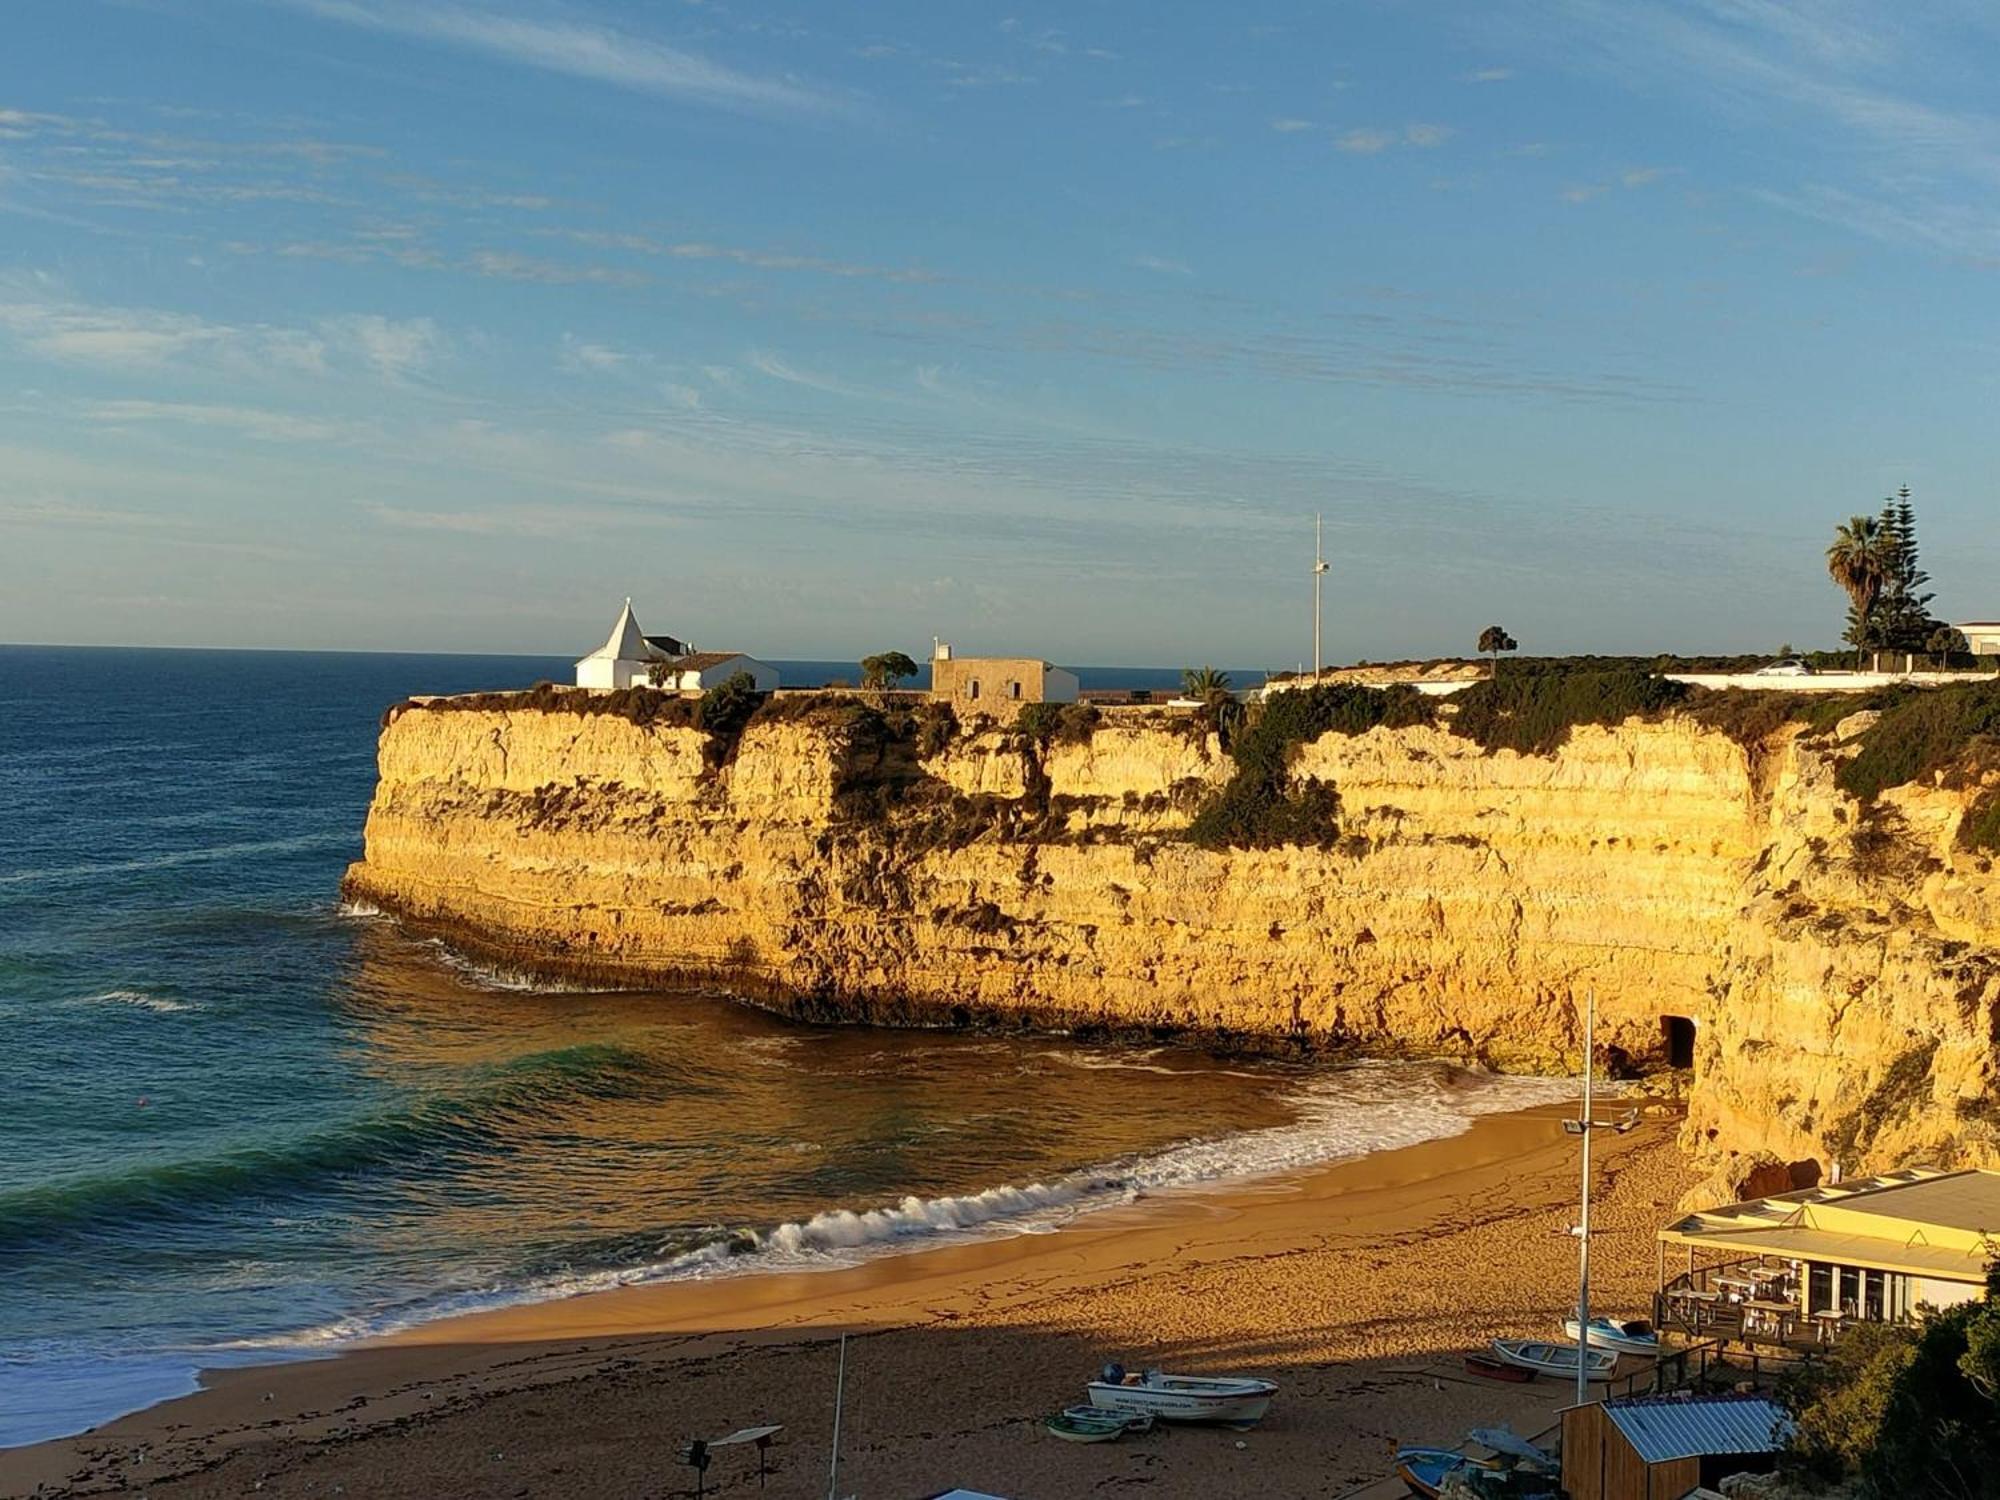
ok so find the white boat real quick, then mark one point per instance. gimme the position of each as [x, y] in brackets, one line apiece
[1621, 1335]
[1554, 1359]
[1183, 1398]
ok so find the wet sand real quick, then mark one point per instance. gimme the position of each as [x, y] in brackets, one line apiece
[1358, 1287]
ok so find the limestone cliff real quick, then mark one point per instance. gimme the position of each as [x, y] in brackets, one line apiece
[1842, 973]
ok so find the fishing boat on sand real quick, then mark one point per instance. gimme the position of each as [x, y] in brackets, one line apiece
[1424, 1469]
[1620, 1335]
[1129, 1421]
[1074, 1429]
[1514, 1470]
[1183, 1398]
[1545, 1358]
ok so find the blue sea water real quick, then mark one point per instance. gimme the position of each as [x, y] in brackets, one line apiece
[238, 1122]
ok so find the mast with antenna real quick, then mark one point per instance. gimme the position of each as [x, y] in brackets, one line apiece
[1319, 570]
[1584, 1125]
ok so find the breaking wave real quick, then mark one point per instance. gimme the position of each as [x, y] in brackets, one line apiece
[1367, 1108]
[139, 1000]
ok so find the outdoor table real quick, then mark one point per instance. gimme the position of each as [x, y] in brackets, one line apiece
[1763, 1314]
[1700, 1304]
[1827, 1323]
[1734, 1285]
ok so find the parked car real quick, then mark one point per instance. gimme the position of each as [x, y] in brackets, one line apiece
[1790, 666]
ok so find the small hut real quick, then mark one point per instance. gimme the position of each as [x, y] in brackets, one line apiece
[1662, 1447]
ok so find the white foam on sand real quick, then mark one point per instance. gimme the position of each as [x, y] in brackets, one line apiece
[1351, 1113]
[1342, 1115]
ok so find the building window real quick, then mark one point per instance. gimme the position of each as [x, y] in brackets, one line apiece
[1819, 1288]
[972, 688]
[1013, 690]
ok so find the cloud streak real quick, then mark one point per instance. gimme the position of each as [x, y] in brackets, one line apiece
[593, 53]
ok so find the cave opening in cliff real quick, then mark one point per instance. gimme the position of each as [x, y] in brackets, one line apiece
[1677, 1039]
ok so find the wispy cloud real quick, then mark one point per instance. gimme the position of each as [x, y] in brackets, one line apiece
[1369, 140]
[395, 350]
[1291, 125]
[271, 426]
[1164, 264]
[1489, 75]
[595, 53]
[581, 356]
[1891, 88]
[1364, 142]
[47, 322]
[756, 259]
[507, 265]
[778, 368]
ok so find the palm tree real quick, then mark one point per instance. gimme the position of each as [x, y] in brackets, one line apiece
[1205, 684]
[1858, 561]
[1219, 703]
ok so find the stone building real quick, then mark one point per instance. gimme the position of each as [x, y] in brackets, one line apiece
[997, 685]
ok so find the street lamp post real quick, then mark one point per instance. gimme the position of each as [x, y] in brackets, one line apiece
[1583, 1125]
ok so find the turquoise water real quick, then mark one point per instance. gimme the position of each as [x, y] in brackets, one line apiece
[240, 1123]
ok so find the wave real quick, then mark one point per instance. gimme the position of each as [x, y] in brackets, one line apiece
[520, 1097]
[488, 976]
[359, 910]
[1362, 1109]
[140, 1000]
[177, 858]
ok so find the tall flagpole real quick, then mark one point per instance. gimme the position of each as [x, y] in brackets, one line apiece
[1319, 571]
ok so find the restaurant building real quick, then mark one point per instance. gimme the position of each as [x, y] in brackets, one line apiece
[1800, 1267]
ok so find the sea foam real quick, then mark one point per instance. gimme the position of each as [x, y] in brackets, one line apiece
[138, 1000]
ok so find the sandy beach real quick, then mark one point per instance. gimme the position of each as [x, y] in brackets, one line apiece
[1357, 1287]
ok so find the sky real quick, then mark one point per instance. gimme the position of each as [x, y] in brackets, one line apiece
[821, 329]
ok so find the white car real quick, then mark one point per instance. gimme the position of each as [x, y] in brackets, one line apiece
[1791, 666]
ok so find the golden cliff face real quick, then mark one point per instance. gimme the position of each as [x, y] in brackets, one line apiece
[1843, 978]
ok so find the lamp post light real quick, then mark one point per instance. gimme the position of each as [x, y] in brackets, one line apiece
[1583, 1125]
[1319, 572]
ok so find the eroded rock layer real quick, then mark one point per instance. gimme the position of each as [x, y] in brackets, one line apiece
[1841, 972]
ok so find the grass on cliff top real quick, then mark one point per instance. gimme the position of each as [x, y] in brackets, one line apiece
[1953, 732]
[1533, 711]
[642, 705]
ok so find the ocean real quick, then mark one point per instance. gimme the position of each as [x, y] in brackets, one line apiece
[243, 1124]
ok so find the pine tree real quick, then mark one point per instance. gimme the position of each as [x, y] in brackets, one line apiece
[1902, 618]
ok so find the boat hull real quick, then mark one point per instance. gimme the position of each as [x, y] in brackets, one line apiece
[1555, 1359]
[1497, 1369]
[1602, 1337]
[1246, 1401]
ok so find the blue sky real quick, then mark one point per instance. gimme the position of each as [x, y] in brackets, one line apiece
[819, 329]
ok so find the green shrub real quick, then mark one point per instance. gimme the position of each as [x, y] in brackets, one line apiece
[1922, 732]
[1533, 712]
[1908, 1410]
[1981, 828]
[1261, 806]
[1045, 724]
[641, 705]
[937, 727]
[724, 712]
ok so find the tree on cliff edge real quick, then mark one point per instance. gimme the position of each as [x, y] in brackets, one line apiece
[1493, 640]
[885, 669]
[1858, 561]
